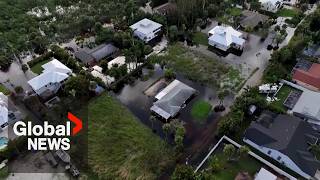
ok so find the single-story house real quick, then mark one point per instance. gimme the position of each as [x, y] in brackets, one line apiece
[264, 174]
[171, 99]
[251, 19]
[287, 140]
[271, 5]
[225, 37]
[146, 30]
[92, 56]
[307, 74]
[52, 77]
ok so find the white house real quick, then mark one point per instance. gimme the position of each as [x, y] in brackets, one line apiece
[287, 140]
[146, 30]
[8, 115]
[52, 77]
[3, 110]
[271, 5]
[225, 37]
[264, 174]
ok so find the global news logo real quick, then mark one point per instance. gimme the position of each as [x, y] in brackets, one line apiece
[47, 136]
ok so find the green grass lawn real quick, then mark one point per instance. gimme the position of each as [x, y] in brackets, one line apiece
[234, 11]
[200, 110]
[200, 38]
[284, 12]
[231, 169]
[4, 90]
[120, 147]
[282, 96]
[37, 67]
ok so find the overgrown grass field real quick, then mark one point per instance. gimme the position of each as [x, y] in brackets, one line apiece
[120, 146]
[232, 168]
[4, 90]
[200, 68]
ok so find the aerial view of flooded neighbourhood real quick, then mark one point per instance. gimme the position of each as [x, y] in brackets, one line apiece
[160, 89]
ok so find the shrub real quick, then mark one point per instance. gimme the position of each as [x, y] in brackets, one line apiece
[41, 58]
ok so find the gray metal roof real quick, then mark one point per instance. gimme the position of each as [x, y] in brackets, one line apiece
[103, 51]
[96, 54]
[170, 104]
[289, 135]
[84, 57]
[252, 19]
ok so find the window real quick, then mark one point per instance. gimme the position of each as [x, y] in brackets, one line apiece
[278, 158]
[269, 152]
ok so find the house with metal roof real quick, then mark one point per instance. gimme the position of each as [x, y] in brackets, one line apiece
[171, 99]
[287, 140]
[225, 37]
[51, 78]
[146, 30]
[251, 19]
[92, 56]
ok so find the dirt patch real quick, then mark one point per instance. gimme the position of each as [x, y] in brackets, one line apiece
[156, 87]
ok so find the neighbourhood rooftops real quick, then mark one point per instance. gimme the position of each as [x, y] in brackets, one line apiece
[171, 99]
[289, 135]
[3, 108]
[96, 54]
[54, 71]
[145, 26]
[252, 19]
[309, 75]
[226, 36]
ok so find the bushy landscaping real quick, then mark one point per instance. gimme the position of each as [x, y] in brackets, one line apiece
[119, 146]
[200, 38]
[201, 110]
[4, 90]
[284, 12]
[200, 68]
[229, 169]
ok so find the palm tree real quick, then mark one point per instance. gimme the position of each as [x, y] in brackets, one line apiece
[167, 129]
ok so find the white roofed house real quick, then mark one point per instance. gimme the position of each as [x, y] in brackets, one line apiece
[225, 37]
[146, 30]
[271, 5]
[8, 113]
[50, 80]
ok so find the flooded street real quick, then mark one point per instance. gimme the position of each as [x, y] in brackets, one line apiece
[198, 135]
[16, 77]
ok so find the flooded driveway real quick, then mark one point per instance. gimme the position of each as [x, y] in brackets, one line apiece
[16, 77]
[198, 135]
